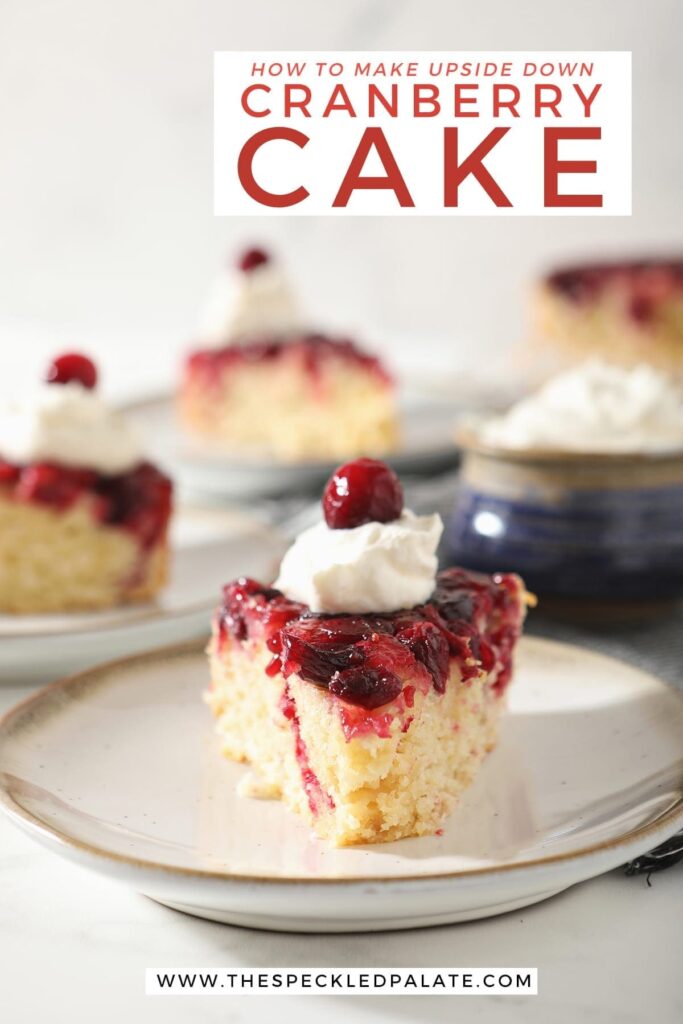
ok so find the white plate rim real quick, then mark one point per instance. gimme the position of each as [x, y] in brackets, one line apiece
[645, 836]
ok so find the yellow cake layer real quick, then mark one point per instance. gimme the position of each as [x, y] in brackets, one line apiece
[604, 328]
[277, 406]
[53, 561]
[383, 789]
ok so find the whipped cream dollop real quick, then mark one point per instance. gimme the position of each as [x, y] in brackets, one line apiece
[252, 303]
[377, 567]
[595, 407]
[67, 424]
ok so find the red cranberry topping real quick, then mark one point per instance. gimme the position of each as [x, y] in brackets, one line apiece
[246, 602]
[138, 501]
[9, 474]
[53, 485]
[251, 259]
[466, 596]
[313, 661]
[582, 283]
[649, 291]
[313, 352]
[642, 309]
[316, 647]
[428, 645]
[363, 491]
[72, 366]
[367, 687]
[471, 618]
[236, 605]
[331, 630]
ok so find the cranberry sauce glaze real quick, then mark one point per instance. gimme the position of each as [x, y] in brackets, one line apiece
[312, 352]
[645, 283]
[366, 660]
[138, 501]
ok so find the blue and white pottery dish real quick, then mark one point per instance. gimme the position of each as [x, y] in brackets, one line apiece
[600, 527]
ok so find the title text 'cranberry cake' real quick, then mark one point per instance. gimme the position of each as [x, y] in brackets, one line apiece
[262, 381]
[83, 518]
[364, 688]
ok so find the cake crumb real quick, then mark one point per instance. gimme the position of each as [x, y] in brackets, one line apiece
[252, 785]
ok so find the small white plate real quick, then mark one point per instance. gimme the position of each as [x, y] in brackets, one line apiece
[118, 769]
[209, 546]
[428, 446]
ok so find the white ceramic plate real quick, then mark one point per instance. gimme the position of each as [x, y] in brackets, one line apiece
[209, 547]
[428, 445]
[118, 769]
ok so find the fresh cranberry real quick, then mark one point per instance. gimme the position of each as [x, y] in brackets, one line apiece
[72, 366]
[428, 645]
[251, 259]
[363, 491]
[367, 687]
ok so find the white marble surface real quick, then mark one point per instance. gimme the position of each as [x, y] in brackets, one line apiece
[76, 943]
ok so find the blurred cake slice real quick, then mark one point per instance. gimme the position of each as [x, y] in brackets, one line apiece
[368, 723]
[261, 381]
[625, 312]
[83, 518]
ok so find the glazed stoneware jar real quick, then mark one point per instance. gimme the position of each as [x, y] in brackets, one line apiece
[600, 528]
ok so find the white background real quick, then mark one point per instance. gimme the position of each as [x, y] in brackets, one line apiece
[107, 236]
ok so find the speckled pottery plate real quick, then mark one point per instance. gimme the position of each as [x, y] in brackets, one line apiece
[118, 770]
[208, 547]
[427, 445]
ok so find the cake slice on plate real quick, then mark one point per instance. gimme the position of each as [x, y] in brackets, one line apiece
[365, 687]
[261, 381]
[83, 517]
